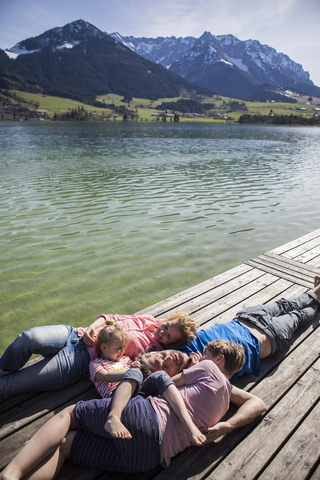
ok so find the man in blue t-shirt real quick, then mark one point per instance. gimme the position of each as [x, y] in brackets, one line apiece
[262, 329]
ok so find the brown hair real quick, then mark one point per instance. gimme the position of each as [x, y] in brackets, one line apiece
[112, 332]
[146, 370]
[187, 327]
[233, 353]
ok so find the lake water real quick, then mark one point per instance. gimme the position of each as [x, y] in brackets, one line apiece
[113, 217]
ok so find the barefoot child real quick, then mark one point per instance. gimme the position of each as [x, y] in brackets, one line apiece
[107, 370]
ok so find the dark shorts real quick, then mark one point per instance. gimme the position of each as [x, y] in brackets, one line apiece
[94, 447]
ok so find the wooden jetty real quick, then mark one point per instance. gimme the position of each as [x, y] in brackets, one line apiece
[284, 443]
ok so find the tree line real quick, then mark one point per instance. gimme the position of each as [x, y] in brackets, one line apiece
[279, 119]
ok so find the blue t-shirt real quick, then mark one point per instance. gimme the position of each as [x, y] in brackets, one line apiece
[232, 331]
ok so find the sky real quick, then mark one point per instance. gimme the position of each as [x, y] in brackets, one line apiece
[289, 26]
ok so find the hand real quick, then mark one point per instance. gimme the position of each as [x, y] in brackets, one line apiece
[136, 364]
[194, 358]
[221, 428]
[151, 348]
[90, 337]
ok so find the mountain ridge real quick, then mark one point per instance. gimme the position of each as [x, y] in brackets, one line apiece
[211, 60]
[80, 60]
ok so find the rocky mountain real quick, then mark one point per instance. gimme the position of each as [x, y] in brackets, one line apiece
[235, 68]
[80, 61]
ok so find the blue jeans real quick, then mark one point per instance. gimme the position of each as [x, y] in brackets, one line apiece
[279, 320]
[66, 361]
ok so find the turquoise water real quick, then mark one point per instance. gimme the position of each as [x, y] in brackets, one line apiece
[113, 217]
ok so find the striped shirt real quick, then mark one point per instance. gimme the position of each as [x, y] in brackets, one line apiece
[105, 389]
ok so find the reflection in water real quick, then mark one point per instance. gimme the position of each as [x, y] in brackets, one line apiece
[114, 217]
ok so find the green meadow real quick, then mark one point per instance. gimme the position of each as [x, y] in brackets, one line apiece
[146, 110]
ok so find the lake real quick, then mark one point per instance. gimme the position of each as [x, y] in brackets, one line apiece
[113, 217]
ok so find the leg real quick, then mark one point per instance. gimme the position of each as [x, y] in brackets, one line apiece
[279, 320]
[52, 464]
[41, 446]
[122, 395]
[94, 447]
[68, 365]
[45, 341]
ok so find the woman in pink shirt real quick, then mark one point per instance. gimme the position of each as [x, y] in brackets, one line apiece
[67, 351]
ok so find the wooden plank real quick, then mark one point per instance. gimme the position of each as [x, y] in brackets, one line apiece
[304, 240]
[278, 288]
[292, 264]
[247, 459]
[311, 257]
[12, 444]
[177, 300]
[193, 305]
[29, 411]
[222, 294]
[288, 266]
[196, 463]
[300, 249]
[226, 308]
[286, 270]
[315, 262]
[300, 454]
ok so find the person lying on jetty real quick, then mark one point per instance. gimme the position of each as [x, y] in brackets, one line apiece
[80, 433]
[108, 368]
[67, 351]
[263, 329]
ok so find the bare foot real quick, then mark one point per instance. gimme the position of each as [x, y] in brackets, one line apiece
[194, 435]
[316, 284]
[115, 427]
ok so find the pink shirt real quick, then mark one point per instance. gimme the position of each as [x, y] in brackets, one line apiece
[140, 333]
[139, 330]
[207, 397]
[105, 389]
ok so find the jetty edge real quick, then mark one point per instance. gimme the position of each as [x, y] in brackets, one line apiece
[284, 442]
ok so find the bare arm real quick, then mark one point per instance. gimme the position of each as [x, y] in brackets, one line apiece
[89, 337]
[110, 377]
[250, 407]
[179, 379]
[172, 395]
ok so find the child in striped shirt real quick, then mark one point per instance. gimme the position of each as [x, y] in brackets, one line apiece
[106, 371]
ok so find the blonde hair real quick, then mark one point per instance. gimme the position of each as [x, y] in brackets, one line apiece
[234, 354]
[111, 333]
[187, 327]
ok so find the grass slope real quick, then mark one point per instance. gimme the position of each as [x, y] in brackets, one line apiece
[147, 109]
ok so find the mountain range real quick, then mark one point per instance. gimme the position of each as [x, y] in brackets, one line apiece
[80, 61]
[234, 68]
